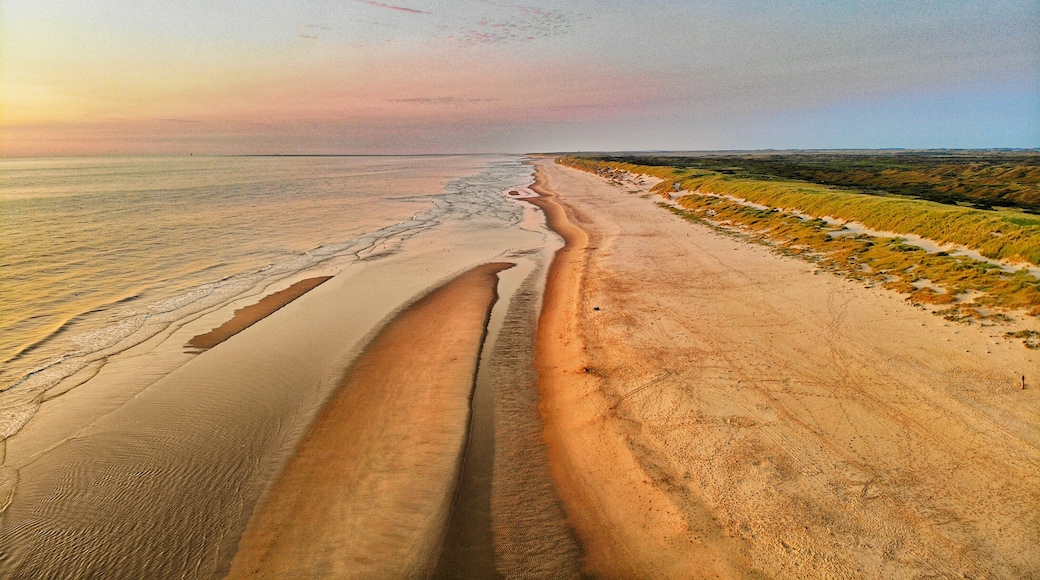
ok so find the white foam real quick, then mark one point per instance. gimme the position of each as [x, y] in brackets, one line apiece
[476, 197]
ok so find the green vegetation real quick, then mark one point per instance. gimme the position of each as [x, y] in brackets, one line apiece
[1030, 338]
[886, 261]
[982, 179]
[1002, 235]
[967, 290]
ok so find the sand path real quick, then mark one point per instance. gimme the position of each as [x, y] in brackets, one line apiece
[368, 492]
[714, 410]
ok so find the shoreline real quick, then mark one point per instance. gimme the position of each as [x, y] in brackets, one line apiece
[149, 310]
[600, 481]
[153, 465]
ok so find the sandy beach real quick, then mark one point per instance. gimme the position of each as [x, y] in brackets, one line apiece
[601, 389]
[716, 410]
[486, 290]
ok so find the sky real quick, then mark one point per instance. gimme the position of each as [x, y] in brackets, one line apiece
[147, 77]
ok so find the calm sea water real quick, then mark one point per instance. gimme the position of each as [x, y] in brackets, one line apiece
[98, 254]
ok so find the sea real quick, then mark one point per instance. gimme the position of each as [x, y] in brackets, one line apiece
[99, 254]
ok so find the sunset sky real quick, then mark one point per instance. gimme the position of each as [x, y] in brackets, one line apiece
[435, 76]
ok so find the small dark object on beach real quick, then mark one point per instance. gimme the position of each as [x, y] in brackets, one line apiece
[595, 307]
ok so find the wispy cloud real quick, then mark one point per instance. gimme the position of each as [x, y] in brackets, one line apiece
[392, 7]
[527, 23]
[310, 31]
[443, 100]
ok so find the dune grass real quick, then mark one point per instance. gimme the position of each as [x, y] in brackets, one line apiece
[1030, 338]
[982, 179]
[1001, 235]
[960, 288]
[928, 278]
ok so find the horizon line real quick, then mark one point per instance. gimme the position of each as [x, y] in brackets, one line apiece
[560, 152]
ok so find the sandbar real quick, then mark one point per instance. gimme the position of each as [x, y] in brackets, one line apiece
[250, 315]
[368, 490]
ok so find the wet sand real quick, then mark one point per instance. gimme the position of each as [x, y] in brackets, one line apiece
[368, 491]
[530, 532]
[148, 471]
[716, 410]
[250, 315]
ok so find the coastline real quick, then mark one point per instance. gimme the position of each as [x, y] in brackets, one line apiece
[153, 466]
[642, 398]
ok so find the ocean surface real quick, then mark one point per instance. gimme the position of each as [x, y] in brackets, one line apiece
[99, 254]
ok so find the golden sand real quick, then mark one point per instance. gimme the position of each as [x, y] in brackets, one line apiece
[716, 410]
